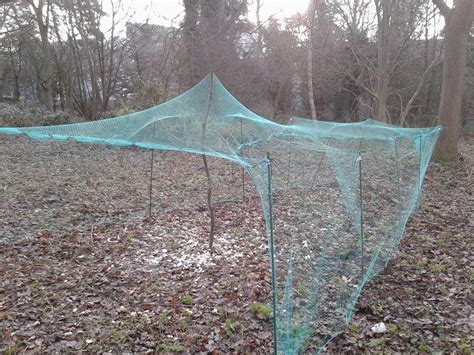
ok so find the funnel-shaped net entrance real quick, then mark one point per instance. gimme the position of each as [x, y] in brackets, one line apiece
[336, 197]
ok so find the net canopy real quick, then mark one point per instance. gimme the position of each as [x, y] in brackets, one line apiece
[335, 196]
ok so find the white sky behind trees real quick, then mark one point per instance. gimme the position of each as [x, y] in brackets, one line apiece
[167, 12]
[171, 12]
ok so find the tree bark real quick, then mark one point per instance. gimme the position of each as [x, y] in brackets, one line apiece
[383, 60]
[259, 30]
[311, 13]
[46, 70]
[458, 22]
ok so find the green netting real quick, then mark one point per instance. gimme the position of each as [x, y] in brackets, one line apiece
[335, 196]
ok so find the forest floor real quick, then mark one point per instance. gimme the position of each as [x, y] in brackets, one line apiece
[83, 268]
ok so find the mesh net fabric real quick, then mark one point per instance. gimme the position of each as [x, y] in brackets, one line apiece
[335, 196]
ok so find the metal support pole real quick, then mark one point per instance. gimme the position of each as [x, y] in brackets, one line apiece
[399, 189]
[243, 172]
[151, 172]
[151, 182]
[419, 173]
[289, 163]
[361, 206]
[272, 250]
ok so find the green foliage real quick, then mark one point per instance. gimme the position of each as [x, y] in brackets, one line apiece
[23, 115]
[422, 347]
[187, 313]
[164, 347]
[441, 267]
[124, 109]
[393, 328]
[375, 342]
[117, 336]
[441, 243]
[222, 313]
[423, 262]
[228, 327]
[466, 346]
[184, 325]
[187, 300]
[150, 93]
[163, 320]
[354, 328]
[260, 310]
[15, 348]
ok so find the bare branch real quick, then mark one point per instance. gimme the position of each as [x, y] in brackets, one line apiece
[444, 9]
[436, 61]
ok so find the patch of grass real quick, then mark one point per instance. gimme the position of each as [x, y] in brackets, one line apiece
[374, 342]
[162, 321]
[222, 313]
[405, 332]
[303, 290]
[117, 336]
[170, 348]
[470, 275]
[187, 300]
[466, 346]
[441, 243]
[424, 348]
[35, 287]
[184, 326]
[15, 348]
[354, 328]
[379, 308]
[187, 313]
[393, 328]
[260, 310]
[423, 262]
[444, 340]
[228, 327]
[444, 290]
[441, 267]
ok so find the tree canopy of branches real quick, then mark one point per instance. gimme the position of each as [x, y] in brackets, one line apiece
[342, 60]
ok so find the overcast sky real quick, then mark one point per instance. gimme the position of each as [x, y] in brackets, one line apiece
[164, 11]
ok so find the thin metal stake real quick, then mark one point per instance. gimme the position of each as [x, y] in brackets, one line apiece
[151, 172]
[419, 175]
[361, 205]
[419, 161]
[272, 251]
[151, 181]
[399, 189]
[243, 172]
[289, 164]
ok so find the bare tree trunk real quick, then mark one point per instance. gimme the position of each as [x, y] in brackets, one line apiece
[458, 21]
[259, 32]
[383, 59]
[47, 74]
[311, 13]
[42, 12]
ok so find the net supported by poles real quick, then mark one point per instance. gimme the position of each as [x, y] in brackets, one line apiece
[330, 229]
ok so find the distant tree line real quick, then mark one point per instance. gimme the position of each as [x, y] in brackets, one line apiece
[342, 60]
